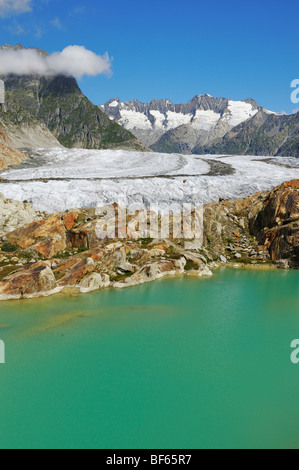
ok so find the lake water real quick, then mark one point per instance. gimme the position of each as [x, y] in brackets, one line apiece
[179, 363]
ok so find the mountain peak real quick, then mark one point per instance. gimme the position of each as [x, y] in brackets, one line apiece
[203, 117]
[59, 104]
[20, 47]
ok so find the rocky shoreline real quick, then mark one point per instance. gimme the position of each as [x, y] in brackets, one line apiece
[44, 254]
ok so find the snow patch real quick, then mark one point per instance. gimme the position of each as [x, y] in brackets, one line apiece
[272, 112]
[205, 120]
[239, 111]
[114, 104]
[159, 119]
[133, 120]
[177, 119]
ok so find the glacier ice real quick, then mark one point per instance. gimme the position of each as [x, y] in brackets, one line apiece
[59, 179]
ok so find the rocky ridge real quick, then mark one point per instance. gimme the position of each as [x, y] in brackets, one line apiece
[208, 125]
[168, 127]
[264, 134]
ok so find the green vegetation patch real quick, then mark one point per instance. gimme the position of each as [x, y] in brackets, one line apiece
[191, 266]
[9, 248]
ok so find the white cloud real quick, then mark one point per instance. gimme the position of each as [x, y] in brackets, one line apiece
[56, 23]
[73, 60]
[14, 7]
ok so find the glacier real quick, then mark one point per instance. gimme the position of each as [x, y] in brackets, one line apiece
[58, 179]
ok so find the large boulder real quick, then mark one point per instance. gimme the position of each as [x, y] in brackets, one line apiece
[94, 282]
[153, 271]
[33, 281]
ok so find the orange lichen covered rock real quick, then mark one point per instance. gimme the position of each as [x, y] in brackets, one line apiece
[70, 219]
[48, 237]
[277, 223]
[36, 279]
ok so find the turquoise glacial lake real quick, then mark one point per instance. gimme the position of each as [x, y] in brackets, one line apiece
[178, 364]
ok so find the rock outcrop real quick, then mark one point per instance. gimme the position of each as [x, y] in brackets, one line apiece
[276, 225]
[32, 281]
[47, 237]
[94, 281]
[62, 251]
[15, 214]
[153, 271]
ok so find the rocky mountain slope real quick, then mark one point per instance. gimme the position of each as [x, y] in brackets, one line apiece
[168, 127]
[208, 125]
[8, 154]
[62, 252]
[20, 130]
[264, 134]
[58, 104]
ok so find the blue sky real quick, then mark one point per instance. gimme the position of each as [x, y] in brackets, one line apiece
[171, 49]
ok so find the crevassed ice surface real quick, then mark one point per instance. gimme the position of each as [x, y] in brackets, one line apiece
[60, 179]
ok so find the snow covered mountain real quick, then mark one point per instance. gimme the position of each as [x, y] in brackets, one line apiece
[172, 127]
[264, 134]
